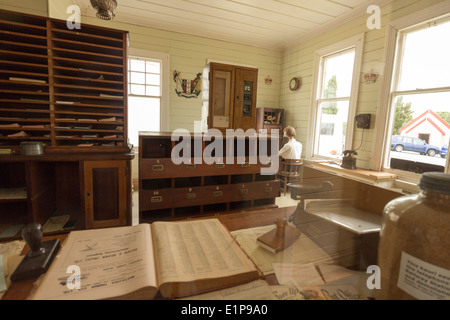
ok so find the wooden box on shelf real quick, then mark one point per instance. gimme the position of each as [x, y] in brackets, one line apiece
[65, 88]
[169, 191]
[269, 119]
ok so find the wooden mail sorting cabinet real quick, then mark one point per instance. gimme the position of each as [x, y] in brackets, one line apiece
[64, 88]
[168, 190]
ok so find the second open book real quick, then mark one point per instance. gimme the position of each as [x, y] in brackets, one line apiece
[177, 258]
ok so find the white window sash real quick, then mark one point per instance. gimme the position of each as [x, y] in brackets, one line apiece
[356, 42]
[165, 81]
[420, 91]
[385, 105]
[319, 101]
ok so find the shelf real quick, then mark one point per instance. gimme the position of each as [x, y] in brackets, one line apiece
[15, 17]
[116, 60]
[14, 119]
[22, 93]
[27, 128]
[269, 119]
[13, 194]
[72, 86]
[50, 72]
[91, 38]
[87, 46]
[87, 64]
[15, 54]
[71, 79]
[31, 46]
[89, 114]
[26, 75]
[81, 96]
[89, 71]
[27, 138]
[28, 65]
[31, 111]
[10, 35]
[57, 185]
[25, 26]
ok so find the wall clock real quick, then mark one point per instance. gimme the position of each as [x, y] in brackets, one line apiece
[294, 84]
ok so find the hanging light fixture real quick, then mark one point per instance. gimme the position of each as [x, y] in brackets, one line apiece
[105, 8]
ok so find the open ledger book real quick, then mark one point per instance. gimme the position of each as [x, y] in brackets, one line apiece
[177, 258]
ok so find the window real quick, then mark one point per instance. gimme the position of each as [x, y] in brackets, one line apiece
[420, 100]
[327, 129]
[334, 98]
[147, 93]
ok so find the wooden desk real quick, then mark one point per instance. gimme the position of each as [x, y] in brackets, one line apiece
[235, 221]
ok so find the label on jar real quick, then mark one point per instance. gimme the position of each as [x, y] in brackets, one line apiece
[423, 280]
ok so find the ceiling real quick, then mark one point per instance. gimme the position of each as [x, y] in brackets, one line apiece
[274, 24]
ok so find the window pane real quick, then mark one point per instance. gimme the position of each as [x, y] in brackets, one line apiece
[426, 62]
[143, 111]
[153, 67]
[138, 78]
[153, 79]
[337, 75]
[333, 127]
[421, 128]
[153, 91]
[137, 65]
[137, 89]
[327, 129]
[143, 115]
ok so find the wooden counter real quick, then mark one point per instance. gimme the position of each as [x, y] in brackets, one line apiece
[21, 290]
[94, 189]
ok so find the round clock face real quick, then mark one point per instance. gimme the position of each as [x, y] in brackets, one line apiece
[294, 84]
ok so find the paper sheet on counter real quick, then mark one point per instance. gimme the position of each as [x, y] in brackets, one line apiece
[304, 250]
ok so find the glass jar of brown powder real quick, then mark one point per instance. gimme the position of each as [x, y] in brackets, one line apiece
[414, 249]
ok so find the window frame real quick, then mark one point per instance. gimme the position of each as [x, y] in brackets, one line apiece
[164, 58]
[356, 42]
[386, 105]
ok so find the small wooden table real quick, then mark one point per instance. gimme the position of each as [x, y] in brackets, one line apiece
[234, 221]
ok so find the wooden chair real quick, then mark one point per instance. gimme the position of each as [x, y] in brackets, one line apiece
[289, 171]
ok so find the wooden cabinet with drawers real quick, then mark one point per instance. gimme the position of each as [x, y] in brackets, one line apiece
[86, 191]
[168, 190]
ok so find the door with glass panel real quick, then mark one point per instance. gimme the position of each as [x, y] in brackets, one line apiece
[221, 90]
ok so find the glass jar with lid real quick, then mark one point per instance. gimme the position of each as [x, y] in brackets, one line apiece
[414, 249]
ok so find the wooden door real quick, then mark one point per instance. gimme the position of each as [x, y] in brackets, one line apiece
[246, 81]
[221, 96]
[105, 193]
